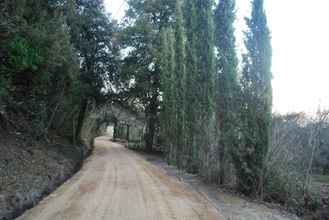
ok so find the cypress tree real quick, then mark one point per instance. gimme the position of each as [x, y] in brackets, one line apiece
[168, 107]
[226, 81]
[192, 104]
[164, 84]
[205, 79]
[257, 102]
[180, 74]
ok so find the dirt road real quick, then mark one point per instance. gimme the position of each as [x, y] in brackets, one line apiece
[117, 184]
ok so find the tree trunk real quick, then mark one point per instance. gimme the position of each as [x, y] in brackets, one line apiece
[53, 114]
[149, 136]
[151, 123]
[128, 127]
[81, 118]
[221, 163]
[3, 122]
[312, 142]
[115, 130]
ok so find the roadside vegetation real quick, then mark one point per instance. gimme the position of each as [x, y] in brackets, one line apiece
[174, 67]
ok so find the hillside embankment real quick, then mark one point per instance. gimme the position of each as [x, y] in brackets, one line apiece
[30, 170]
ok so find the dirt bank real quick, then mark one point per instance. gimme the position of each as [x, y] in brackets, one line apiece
[30, 170]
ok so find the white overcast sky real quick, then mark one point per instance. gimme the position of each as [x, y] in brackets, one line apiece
[300, 40]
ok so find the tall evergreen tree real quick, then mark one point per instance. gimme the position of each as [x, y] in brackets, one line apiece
[257, 102]
[226, 81]
[192, 104]
[205, 79]
[180, 75]
[168, 105]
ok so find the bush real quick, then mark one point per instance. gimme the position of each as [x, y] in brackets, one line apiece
[288, 165]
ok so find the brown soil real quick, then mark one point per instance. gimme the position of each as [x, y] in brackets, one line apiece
[116, 183]
[231, 205]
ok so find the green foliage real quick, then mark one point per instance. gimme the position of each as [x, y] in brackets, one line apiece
[58, 58]
[92, 35]
[23, 56]
[256, 106]
[168, 105]
[179, 87]
[145, 22]
[226, 83]
[189, 89]
[205, 54]
[4, 87]
[43, 44]
[205, 82]
[192, 103]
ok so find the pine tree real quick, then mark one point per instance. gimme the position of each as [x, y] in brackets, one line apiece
[257, 102]
[226, 81]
